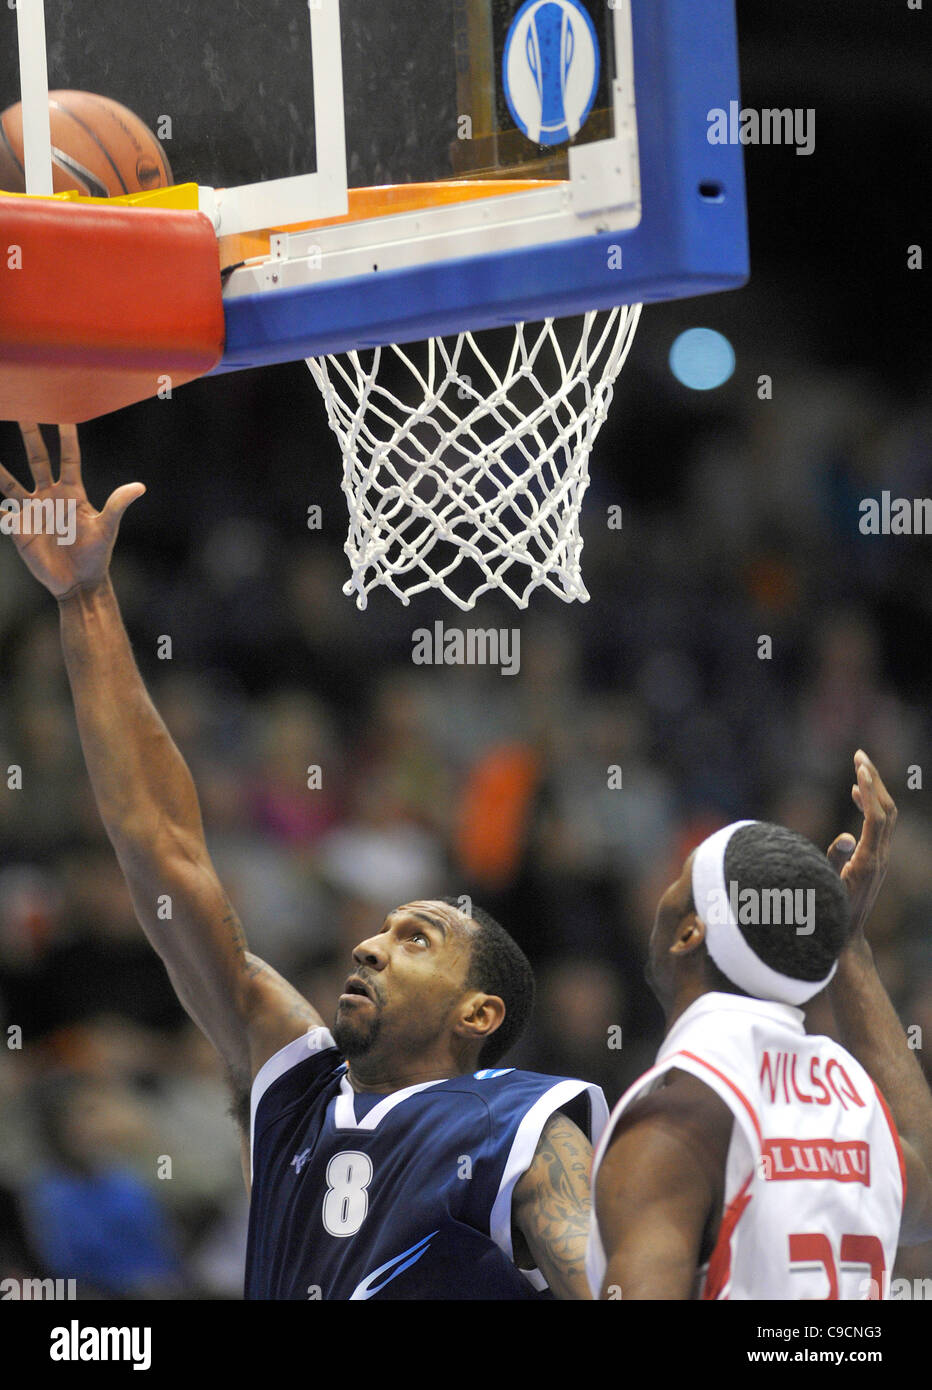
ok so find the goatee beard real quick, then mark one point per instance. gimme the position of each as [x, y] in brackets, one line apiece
[354, 1041]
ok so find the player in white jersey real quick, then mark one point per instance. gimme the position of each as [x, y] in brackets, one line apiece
[754, 1161]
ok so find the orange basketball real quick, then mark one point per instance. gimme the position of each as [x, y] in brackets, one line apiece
[98, 147]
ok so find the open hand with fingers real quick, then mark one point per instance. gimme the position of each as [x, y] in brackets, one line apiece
[64, 568]
[862, 864]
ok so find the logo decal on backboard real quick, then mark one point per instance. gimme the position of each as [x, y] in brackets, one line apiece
[551, 69]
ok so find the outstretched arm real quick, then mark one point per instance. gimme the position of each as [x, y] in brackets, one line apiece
[144, 790]
[866, 1018]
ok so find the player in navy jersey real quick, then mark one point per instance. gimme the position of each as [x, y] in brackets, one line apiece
[389, 1158]
[392, 1154]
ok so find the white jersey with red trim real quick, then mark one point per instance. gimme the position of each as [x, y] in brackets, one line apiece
[814, 1179]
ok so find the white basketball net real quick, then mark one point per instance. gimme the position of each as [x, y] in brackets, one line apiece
[464, 478]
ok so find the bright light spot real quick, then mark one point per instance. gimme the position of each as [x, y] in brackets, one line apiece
[702, 359]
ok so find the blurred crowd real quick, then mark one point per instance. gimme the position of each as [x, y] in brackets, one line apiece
[119, 1164]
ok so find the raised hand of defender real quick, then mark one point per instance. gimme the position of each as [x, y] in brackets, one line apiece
[862, 865]
[63, 568]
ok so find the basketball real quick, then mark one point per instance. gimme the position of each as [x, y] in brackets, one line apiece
[99, 148]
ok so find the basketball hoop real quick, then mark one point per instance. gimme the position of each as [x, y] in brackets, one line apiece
[467, 478]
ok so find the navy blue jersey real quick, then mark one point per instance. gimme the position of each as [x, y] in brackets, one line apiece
[406, 1195]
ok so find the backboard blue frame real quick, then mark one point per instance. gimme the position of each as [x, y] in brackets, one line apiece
[692, 237]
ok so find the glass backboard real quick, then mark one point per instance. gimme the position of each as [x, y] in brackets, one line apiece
[530, 157]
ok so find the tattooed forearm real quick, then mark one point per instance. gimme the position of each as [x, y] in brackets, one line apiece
[552, 1205]
[234, 927]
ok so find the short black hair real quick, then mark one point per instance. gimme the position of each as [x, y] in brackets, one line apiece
[770, 858]
[499, 966]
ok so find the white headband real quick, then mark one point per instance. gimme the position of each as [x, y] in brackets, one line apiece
[724, 938]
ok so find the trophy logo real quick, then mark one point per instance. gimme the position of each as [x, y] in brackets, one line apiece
[551, 70]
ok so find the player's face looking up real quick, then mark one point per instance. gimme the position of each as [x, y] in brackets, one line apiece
[408, 994]
[676, 932]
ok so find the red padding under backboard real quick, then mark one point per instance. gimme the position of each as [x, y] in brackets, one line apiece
[102, 306]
